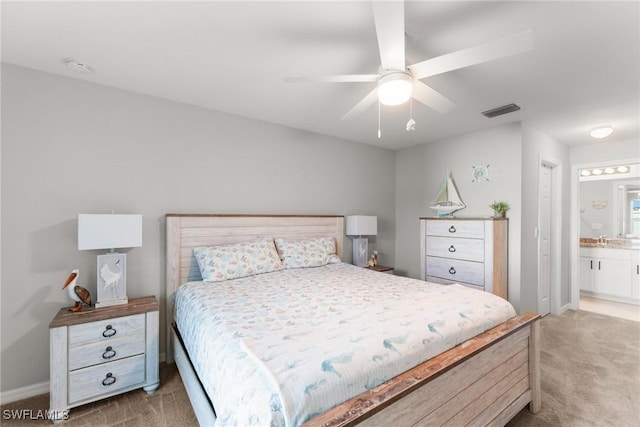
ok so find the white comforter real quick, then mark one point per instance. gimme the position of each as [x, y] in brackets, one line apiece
[280, 348]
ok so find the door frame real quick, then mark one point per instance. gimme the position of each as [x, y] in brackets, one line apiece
[556, 235]
[574, 246]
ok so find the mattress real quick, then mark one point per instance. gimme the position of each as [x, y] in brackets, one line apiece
[277, 349]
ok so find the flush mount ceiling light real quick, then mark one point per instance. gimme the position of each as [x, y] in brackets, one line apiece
[394, 88]
[77, 66]
[601, 131]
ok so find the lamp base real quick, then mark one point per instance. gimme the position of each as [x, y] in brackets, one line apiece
[360, 251]
[111, 279]
[112, 302]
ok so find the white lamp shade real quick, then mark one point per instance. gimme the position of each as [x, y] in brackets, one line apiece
[109, 231]
[362, 225]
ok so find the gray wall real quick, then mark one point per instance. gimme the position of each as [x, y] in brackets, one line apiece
[419, 172]
[71, 147]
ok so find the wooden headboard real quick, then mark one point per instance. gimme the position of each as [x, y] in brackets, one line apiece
[188, 231]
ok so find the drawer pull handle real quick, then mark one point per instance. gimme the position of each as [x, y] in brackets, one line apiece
[109, 352]
[452, 229]
[452, 270]
[452, 248]
[109, 332]
[109, 380]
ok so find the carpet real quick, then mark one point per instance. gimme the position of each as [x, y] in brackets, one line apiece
[590, 376]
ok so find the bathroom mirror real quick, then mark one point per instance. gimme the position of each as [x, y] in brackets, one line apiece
[629, 210]
[610, 202]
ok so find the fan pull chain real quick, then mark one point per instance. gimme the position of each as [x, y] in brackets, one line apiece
[411, 124]
[379, 133]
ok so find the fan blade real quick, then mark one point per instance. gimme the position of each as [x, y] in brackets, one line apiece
[510, 45]
[431, 98]
[389, 20]
[347, 78]
[364, 103]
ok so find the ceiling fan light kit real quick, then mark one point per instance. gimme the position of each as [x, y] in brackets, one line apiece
[398, 82]
[395, 87]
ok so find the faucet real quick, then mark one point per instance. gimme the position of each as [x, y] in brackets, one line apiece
[602, 239]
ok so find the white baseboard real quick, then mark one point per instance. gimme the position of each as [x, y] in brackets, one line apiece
[35, 389]
[565, 308]
[24, 392]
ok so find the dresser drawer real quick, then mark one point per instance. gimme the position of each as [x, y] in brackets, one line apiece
[106, 378]
[103, 352]
[456, 270]
[456, 248]
[106, 330]
[472, 229]
[451, 282]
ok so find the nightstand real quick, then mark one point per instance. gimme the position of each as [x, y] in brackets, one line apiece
[101, 352]
[381, 269]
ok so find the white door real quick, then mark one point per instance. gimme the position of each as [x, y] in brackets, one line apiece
[544, 244]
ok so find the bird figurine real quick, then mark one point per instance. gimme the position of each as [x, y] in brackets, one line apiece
[111, 278]
[77, 293]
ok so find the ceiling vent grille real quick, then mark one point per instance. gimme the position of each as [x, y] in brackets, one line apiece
[509, 108]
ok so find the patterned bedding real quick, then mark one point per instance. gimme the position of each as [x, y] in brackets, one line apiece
[280, 348]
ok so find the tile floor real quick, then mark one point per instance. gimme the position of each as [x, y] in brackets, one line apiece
[611, 308]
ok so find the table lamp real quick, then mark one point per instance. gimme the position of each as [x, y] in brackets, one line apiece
[361, 225]
[110, 231]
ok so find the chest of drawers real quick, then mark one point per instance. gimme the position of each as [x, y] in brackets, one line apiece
[472, 252]
[97, 353]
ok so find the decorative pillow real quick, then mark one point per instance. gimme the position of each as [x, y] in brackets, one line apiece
[307, 253]
[218, 263]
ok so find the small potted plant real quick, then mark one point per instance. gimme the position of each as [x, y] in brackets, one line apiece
[500, 209]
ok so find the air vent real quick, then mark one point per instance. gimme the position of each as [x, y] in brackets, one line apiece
[509, 108]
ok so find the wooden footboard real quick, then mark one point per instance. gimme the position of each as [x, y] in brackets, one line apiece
[484, 381]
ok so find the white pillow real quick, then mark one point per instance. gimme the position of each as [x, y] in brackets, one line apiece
[218, 263]
[307, 253]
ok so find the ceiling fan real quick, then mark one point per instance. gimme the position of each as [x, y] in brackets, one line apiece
[397, 82]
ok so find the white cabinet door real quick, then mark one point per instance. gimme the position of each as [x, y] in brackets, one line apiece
[635, 275]
[612, 277]
[586, 274]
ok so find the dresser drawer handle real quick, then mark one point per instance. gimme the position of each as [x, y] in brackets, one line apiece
[452, 248]
[109, 332]
[452, 229]
[109, 352]
[109, 380]
[452, 270]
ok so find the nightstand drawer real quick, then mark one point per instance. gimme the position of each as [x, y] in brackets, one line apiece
[106, 378]
[456, 248]
[455, 270]
[106, 330]
[103, 352]
[472, 229]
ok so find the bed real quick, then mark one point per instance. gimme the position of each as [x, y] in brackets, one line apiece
[483, 380]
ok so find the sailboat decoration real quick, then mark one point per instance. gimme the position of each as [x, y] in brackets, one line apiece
[448, 200]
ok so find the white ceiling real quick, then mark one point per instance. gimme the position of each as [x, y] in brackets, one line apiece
[232, 56]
